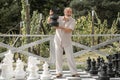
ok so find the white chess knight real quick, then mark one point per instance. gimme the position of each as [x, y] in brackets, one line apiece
[46, 73]
[33, 68]
[19, 71]
[7, 66]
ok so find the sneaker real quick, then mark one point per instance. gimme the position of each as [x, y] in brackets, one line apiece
[58, 75]
[75, 75]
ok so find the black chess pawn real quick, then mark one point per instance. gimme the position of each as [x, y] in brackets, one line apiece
[93, 70]
[103, 73]
[88, 64]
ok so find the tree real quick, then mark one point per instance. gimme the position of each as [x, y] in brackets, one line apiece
[106, 9]
[10, 14]
[10, 11]
[43, 6]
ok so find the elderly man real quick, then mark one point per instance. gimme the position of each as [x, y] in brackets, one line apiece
[63, 41]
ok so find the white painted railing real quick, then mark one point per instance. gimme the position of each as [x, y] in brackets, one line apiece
[50, 38]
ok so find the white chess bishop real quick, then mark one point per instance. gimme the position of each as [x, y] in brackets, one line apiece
[46, 73]
[19, 71]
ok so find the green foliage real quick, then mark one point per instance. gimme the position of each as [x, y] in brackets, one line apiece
[84, 26]
[106, 9]
[10, 14]
[47, 5]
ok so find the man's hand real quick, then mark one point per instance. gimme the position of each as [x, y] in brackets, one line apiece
[50, 13]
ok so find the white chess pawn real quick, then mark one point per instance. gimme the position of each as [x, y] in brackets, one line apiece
[46, 74]
[19, 71]
[33, 74]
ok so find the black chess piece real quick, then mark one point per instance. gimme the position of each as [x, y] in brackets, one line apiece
[116, 65]
[102, 61]
[54, 17]
[103, 73]
[119, 63]
[109, 58]
[93, 70]
[88, 67]
[110, 71]
[98, 62]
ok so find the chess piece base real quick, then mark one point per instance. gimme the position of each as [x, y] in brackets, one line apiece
[1, 78]
[103, 78]
[32, 78]
[94, 72]
[45, 77]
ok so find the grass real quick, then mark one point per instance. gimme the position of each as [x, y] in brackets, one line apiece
[80, 60]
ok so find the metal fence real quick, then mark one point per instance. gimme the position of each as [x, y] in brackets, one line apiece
[84, 48]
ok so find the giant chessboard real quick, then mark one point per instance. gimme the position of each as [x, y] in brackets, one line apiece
[83, 76]
[67, 75]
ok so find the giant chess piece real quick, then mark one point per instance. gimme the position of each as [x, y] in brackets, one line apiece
[98, 62]
[8, 63]
[46, 73]
[103, 73]
[109, 58]
[54, 17]
[102, 61]
[32, 61]
[4, 75]
[88, 67]
[32, 68]
[116, 65]
[119, 64]
[19, 71]
[110, 71]
[32, 73]
[93, 70]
